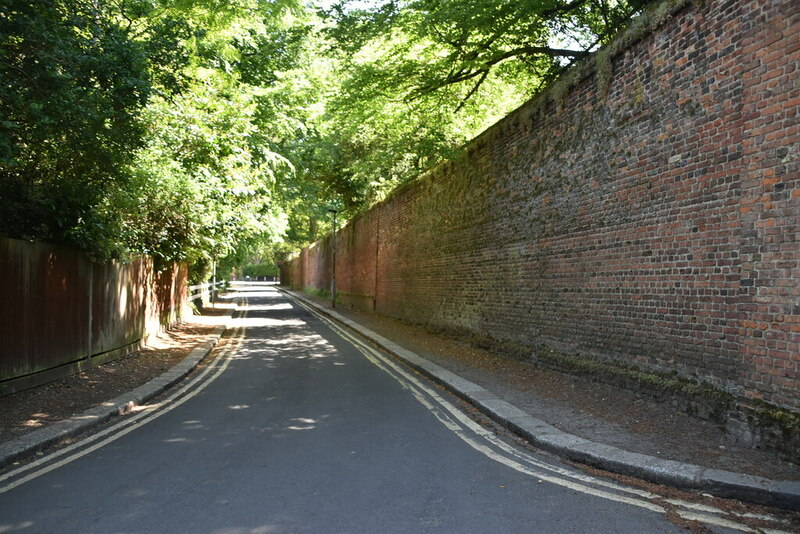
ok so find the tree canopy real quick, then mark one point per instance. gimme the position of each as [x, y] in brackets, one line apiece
[208, 129]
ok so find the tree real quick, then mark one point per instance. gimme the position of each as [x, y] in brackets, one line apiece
[74, 80]
[417, 79]
[142, 127]
[463, 42]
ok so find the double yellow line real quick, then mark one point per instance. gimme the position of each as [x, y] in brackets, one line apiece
[148, 413]
[487, 443]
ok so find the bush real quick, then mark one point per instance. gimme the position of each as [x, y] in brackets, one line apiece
[261, 269]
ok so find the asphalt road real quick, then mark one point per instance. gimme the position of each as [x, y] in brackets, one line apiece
[296, 429]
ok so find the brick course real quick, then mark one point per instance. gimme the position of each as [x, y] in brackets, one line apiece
[645, 212]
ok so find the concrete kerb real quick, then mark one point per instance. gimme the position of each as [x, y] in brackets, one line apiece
[37, 440]
[724, 484]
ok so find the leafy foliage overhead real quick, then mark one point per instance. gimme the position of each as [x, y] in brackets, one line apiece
[73, 81]
[225, 130]
[136, 126]
[418, 78]
[463, 42]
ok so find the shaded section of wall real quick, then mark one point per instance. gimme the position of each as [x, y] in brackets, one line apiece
[44, 318]
[60, 309]
[644, 209]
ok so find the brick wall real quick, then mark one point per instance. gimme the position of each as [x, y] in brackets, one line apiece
[643, 209]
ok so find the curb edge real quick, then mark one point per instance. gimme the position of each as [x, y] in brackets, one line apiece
[32, 442]
[720, 483]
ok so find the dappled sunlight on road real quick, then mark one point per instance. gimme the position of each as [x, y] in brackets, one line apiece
[230, 431]
[15, 528]
[264, 529]
[302, 423]
[192, 425]
[255, 322]
[293, 344]
[213, 320]
[265, 293]
[269, 307]
[286, 340]
[279, 430]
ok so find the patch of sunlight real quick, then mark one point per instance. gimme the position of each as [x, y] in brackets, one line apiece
[270, 307]
[12, 528]
[254, 322]
[302, 423]
[142, 407]
[313, 355]
[213, 320]
[265, 529]
[88, 417]
[238, 407]
[311, 339]
[176, 440]
[32, 423]
[256, 294]
[159, 342]
[123, 302]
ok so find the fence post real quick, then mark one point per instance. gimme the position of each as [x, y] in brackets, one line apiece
[214, 284]
[91, 309]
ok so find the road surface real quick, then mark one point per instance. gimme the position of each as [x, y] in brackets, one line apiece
[298, 427]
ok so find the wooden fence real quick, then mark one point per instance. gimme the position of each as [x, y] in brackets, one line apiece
[61, 312]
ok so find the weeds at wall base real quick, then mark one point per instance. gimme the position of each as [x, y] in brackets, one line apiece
[756, 424]
[317, 293]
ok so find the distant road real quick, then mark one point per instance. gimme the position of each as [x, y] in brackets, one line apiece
[298, 429]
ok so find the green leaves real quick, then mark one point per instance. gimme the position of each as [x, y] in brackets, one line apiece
[417, 79]
[134, 127]
[72, 83]
[197, 129]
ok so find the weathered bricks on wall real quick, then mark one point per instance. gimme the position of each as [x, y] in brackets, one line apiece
[644, 209]
[60, 309]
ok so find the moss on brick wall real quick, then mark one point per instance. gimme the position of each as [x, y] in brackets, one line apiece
[643, 210]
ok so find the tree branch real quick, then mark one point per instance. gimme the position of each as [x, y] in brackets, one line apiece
[562, 9]
[464, 73]
[472, 91]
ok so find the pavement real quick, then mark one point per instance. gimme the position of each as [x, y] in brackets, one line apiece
[296, 425]
[530, 426]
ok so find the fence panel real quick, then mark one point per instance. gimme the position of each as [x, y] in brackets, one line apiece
[44, 317]
[60, 309]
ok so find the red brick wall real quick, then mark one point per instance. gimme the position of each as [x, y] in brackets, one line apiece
[645, 210]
